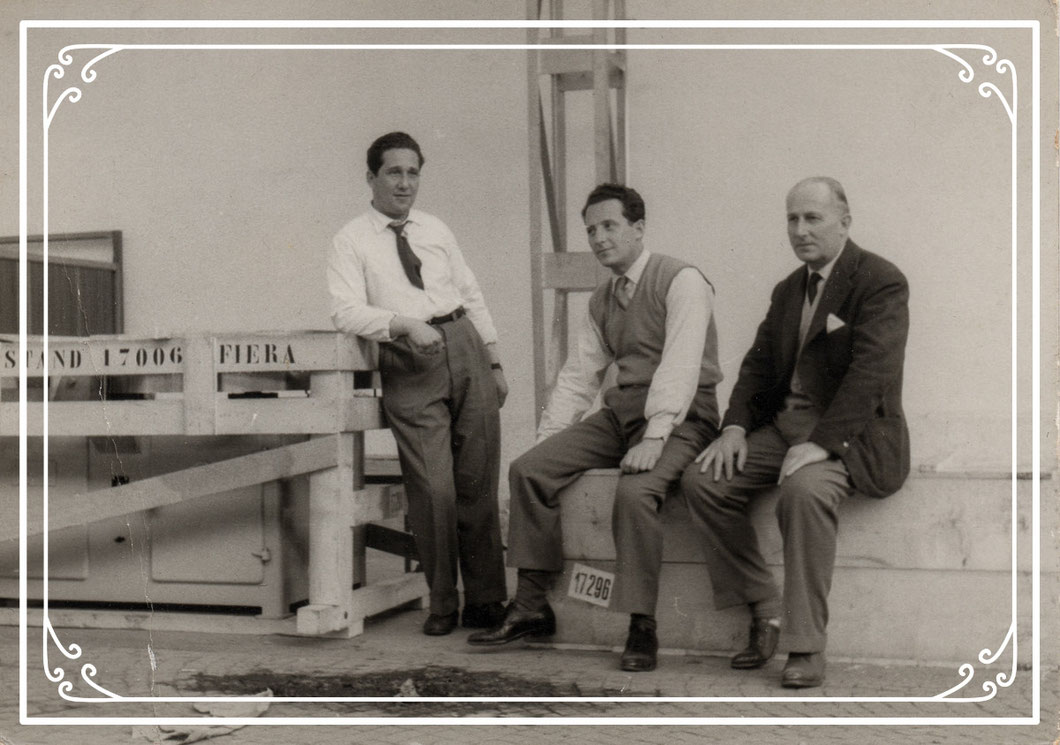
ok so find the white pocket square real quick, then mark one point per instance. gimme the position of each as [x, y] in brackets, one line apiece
[833, 322]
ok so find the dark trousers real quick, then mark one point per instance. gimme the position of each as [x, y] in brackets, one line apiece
[600, 441]
[806, 510]
[442, 410]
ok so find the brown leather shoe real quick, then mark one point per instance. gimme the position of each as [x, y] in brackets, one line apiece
[482, 615]
[803, 670]
[436, 625]
[641, 647]
[517, 624]
[761, 647]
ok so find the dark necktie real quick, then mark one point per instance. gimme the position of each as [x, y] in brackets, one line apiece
[622, 293]
[409, 261]
[811, 288]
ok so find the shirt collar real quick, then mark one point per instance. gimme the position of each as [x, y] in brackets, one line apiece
[825, 270]
[634, 271]
[381, 222]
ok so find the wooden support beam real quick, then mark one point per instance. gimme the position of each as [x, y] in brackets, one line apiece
[322, 619]
[331, 554]
[536, 232]
[200, 386]
[181, 486]
[601, 100]
[390, 593]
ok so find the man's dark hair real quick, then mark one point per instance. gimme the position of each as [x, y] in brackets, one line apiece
[632, 203]
[391, 141]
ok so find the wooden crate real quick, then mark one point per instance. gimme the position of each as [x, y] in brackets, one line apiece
[311, 395]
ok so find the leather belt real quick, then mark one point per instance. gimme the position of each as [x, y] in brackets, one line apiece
[455, 315]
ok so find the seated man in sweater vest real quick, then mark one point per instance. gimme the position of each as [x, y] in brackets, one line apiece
[653, 320]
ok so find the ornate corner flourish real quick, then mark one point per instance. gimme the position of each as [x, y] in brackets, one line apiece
[58, 72]
[990, 59]
[1002, 679]
[57, 674]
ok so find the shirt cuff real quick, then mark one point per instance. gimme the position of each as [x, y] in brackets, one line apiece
[658, 429]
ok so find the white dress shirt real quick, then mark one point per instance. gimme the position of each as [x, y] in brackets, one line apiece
[689, 304]
[368, 285]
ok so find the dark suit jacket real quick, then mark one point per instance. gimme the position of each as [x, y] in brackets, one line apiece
[853, 373]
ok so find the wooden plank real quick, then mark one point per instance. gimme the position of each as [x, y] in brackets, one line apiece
[133, 355]
[200, 386]
[561, 61]
[330, 537]
[222, 416]
[386, 594]
[292, 352]
[263, 416]
[559, 338]
[602, 147]
[154, 620]
[181, 486]
[583, 81]
[376, 502]
[536, 232]
[317, 619]
[9, 422]
[94, 355]
[85, 418]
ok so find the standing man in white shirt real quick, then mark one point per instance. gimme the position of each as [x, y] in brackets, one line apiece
[397, 277]
[654, 321]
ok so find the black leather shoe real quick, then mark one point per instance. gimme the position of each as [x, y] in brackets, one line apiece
[517, 624]
[641, 648]
[803, 670]
[483, 615]
[436, 625]
[761, 648]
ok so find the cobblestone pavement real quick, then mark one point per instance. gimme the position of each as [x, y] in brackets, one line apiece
[177, 664]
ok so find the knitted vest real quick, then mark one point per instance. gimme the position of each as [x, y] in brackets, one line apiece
[635, 336]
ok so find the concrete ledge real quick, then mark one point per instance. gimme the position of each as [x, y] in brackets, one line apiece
[925, 575]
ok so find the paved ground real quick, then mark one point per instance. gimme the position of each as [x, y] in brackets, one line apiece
[392, 652]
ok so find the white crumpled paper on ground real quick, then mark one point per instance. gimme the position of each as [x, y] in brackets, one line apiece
[163, 734]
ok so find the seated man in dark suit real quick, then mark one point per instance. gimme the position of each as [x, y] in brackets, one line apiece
[815, 414]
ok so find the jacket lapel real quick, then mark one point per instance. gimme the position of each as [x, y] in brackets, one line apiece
[789, 332]
[835, 290]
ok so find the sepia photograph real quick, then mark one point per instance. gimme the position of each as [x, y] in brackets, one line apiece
[521, 371]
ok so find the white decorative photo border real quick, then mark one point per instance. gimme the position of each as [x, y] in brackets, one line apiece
[967, 57]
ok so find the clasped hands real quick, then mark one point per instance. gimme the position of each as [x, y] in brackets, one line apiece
[728, 454]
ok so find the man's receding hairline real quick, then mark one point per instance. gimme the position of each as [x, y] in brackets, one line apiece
[835, 191]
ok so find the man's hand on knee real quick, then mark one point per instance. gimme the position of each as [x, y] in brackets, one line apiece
[643, 456]
[726, 453]
[801, 455]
